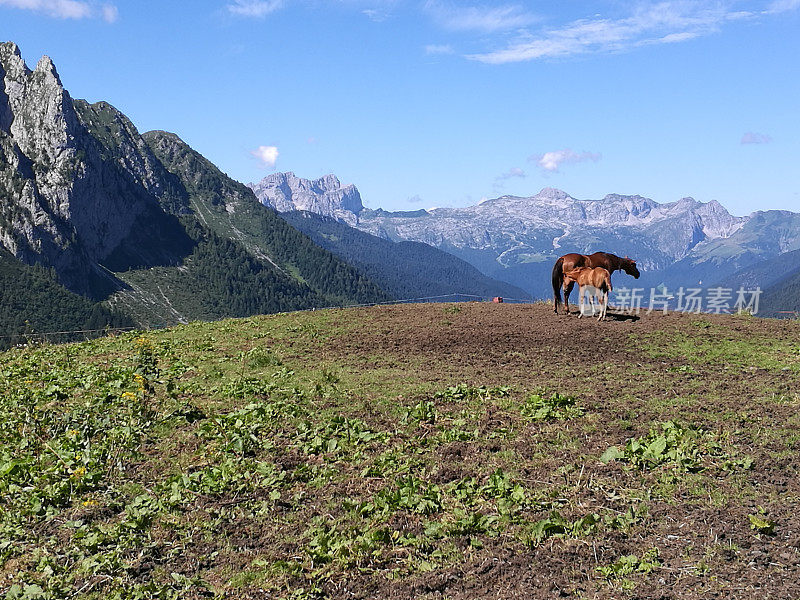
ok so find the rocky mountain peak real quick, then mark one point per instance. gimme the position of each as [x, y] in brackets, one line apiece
[47, 69]
[75, 202]
[11, 58]
[325, 196]
[550, 193]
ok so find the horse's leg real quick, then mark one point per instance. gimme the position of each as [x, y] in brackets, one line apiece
[603, 306]
[568, 285]
[581, 299]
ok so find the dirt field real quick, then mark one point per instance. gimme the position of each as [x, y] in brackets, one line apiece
[454, 452]
[733, 375]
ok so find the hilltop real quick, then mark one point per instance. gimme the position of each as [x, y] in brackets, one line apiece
[418, 451]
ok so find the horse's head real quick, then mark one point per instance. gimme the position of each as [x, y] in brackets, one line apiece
[629, 266]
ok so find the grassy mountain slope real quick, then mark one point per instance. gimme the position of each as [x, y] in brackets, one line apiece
[219, 279]
[227, 255]
[292, 456]
[231, 210]
[403, 269]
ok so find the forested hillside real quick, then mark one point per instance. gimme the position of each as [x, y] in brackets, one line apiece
[403, 269]
[782, 299]
[33, 302]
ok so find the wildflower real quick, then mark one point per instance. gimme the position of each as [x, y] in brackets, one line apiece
[128, 396]
[79, 472]
[90, 502]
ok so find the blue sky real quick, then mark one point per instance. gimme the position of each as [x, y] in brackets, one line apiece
[426, 103]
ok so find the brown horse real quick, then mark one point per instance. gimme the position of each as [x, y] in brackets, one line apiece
[568, 262]
[596, 281]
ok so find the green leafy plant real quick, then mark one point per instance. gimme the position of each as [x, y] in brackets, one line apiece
[464, 393]
[554, 407]
[423, 411]
[682, 448]
[334, 437]
[631, 564]
[760, 523]
[555, 525]
[408, 493]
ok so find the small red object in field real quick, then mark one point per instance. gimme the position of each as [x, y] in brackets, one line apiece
[497, 299]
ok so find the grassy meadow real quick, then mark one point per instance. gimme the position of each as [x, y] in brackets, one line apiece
[422, 451]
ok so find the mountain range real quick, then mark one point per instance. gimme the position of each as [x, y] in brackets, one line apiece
[123, 228]
[517, 239]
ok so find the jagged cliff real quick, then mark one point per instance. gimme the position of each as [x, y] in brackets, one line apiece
[325, 196]
[67, 201]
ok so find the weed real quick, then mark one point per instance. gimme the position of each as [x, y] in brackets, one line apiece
[631, 564]
[457, 431]
[408, 493]
[242, 432]
[554, 407]
[679, 447]
[556, 525]
[464, 393]
[761, 524]
[261, 356]
[336, 436]
[423, 411]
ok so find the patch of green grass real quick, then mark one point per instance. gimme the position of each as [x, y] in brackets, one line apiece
[713, 345]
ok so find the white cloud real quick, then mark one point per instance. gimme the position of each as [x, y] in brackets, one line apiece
[514, 172]
[751, 137]
[551, 162]
[110, 13]
[376, 15]
[66, 9]
[267, 155]
[254, 8]
[781, 6]
[478, 18]
[670, 21]
[439, 49]
[673, 38]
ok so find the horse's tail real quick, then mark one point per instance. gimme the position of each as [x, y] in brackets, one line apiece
[558, 282]
[605, 287]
